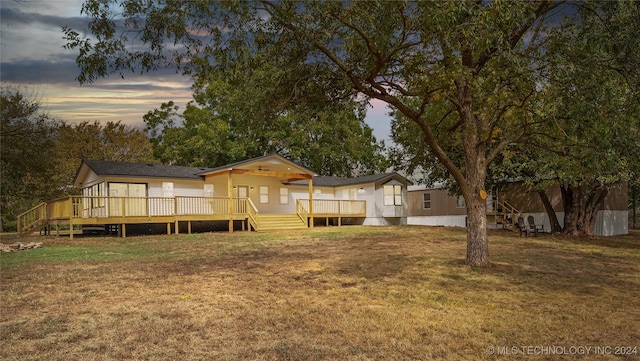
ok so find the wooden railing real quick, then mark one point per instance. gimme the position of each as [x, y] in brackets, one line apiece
[74, 207]
[332, 207]
[117, 209]
[252, 214]
[504, 209]
[301, 210]
[32, 217]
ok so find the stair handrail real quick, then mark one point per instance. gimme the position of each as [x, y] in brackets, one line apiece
[510, 210]
[31, 217]
[252, 214]
[301, 210]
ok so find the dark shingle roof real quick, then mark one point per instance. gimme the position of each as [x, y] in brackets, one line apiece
[112, 168]
[325, 181]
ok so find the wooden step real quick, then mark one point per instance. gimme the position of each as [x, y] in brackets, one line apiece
[271, 222]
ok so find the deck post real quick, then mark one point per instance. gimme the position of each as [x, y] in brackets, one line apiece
[70, 218]
[123, 230]
[189, 227]
[168, 227]
[311, 202]
[177, 224]
[230, 204]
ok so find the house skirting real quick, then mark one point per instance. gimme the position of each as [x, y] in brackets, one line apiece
[447, 221]
[608, 222]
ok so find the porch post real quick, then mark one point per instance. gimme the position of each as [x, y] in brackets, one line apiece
[70, 217]
[230, 204]
[311, 202]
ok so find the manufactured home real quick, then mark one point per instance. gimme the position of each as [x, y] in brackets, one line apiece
[264, 193]
[436, 206]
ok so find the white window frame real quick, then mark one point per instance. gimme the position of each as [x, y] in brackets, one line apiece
[264, 194]
[426, 203]
[284, 195]
[392, 194]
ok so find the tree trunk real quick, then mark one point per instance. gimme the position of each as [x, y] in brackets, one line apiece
[475, 171]
[551, 213]
[477, 242]
[581, 208]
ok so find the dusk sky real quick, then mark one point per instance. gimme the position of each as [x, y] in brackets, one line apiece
[33, 58]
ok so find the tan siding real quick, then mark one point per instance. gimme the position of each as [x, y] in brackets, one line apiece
[442, 203]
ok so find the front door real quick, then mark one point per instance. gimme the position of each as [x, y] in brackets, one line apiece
[243, 191]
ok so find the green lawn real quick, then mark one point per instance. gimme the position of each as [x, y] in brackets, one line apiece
[337, 293]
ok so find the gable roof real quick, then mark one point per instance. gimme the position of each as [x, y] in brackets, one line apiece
[270, 160]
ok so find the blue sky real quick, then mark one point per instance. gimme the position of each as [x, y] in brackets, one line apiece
[33, 58]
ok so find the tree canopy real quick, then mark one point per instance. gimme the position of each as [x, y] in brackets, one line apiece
[465, 75]
[408, 54]
[40, 155]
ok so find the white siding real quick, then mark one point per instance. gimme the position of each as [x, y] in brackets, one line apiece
[180, 188]
[447, 221]
[611, 223]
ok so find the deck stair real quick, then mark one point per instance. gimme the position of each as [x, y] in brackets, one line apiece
[273, 222]
[38, 225]
[503, 216]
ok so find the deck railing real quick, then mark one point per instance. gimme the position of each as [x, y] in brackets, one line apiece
[74, 207]
[117, 208]
[334, 207]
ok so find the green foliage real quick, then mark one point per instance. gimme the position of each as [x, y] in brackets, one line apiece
[40, 156]
[92, 140]
[477, 59]
[27, 139]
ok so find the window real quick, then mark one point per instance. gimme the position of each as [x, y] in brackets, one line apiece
[349, 193]
[264, 194]
[284, 195]
[208, 190]
[426, 201]
[167, 189]
[392, 195]
[460, 202]
[128, 197]
[94, 196]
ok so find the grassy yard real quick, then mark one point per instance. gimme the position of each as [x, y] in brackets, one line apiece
[348, 293]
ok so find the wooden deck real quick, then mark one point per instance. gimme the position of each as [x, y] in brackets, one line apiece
[121, 211]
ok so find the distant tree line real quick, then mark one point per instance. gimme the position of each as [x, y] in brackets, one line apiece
[40, 154]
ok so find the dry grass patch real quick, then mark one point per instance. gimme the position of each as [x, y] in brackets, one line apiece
[349, 293]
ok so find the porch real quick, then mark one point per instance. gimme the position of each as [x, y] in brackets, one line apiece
[120, 211]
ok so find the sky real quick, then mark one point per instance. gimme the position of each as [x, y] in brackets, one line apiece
[33, 58]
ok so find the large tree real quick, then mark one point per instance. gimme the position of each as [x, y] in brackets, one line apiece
[587, 139]
[40, 155]
[478, 57]
[26, 162]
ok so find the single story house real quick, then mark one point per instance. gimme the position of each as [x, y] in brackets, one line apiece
[263, 193]
[435, 206]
